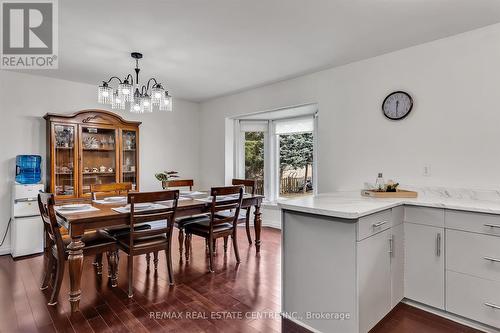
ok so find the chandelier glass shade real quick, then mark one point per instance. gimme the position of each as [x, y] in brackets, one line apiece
[139, 99]
[166, 103]
[105, 94]
[117, 102]
[126, 91]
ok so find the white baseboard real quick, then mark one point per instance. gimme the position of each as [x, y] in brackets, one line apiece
[272, 224]
[271, 217]
[451, 316]
[4, 251]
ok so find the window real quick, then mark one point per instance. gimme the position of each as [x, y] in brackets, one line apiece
[254, 158]
[279, 154]
[294, 138]
[253, 142]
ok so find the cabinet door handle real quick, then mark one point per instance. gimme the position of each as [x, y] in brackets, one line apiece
[391, 245]
[378, 224]
[492, 259]
[438, 244]
[492, 225]
[491, 305]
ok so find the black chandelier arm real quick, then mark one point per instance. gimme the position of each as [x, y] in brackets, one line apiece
[149, 81]
[114, 77]
[129, 78]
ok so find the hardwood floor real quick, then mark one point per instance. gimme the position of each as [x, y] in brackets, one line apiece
[406, 318]
[231, 291]
[252, 286]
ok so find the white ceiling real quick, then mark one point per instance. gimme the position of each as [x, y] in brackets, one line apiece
[208, 48]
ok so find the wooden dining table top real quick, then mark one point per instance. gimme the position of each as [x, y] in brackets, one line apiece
[105, 210]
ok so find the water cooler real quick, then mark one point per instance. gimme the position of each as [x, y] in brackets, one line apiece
[27, 234]
[27, 227]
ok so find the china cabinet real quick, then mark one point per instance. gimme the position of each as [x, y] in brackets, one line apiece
[90, 147]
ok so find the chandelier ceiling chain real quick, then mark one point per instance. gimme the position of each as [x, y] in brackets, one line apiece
[140, 99]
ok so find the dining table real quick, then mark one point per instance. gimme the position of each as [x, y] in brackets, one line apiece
[103, 216]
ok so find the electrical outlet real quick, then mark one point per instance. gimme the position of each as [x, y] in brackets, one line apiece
[427, 170]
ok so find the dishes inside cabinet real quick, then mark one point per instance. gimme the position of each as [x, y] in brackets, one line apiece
[90, 142]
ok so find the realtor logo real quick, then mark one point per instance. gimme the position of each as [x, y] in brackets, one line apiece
[29, 34]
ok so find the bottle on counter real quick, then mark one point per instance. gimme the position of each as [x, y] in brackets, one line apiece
[380, 183]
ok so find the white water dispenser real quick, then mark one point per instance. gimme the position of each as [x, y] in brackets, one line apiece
[27, 235]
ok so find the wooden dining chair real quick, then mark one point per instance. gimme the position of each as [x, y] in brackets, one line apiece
[159, 238]
[244, 216]
[215, 226]
[105, 190]
[178, 183]
[114, 189]
[180, 223]
[95, 242]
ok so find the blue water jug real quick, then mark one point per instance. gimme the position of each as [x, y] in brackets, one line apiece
[28, 170]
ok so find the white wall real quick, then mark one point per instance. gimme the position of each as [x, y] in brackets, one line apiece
[167, 140]
[454, 126]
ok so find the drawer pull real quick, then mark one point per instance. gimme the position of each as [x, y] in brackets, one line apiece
[391, 245]
[378, 224]
[492, 259]
[492, 225]
[491, 305]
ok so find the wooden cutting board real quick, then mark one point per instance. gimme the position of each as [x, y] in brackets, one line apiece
[398, 194]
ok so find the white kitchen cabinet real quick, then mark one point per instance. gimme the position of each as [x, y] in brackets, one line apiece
[423, 215]
[424, 264]
[374, 279]
[363, 266]
[473, 297]
[373, 224]
[473, 254]
[397, 263]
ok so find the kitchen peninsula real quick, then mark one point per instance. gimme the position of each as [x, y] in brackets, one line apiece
[348, 260]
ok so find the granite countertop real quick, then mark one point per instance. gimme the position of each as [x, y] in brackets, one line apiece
[351, 205]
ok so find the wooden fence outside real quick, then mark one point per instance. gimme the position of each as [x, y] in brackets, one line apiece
[260, 187]
[292, 185]
[287, 185]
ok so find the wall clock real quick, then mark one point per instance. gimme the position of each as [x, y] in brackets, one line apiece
[397, 105]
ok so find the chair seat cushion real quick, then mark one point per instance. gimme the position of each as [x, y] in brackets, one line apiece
[143, 242]
[203, 226]
[122, 231]
[226, 213]
[183, 221]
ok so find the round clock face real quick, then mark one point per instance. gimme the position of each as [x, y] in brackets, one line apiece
[397, 105]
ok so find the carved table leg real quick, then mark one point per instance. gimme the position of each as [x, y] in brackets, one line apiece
[75, 264]
[187, 245]
[113, 265]
[181, 241]
[257, 225]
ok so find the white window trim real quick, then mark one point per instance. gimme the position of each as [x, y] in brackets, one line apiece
[271, 148]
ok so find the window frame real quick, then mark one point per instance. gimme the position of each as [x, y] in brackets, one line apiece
[271, 153]
[239, 170]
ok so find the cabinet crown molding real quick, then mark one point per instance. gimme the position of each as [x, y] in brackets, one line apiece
[91, 116]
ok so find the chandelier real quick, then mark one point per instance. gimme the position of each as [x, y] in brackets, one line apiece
[140, 99]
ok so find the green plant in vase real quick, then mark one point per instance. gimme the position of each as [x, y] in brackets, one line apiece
[165, 176]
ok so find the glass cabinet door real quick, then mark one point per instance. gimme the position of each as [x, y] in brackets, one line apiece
[129, 157]
[64, 160]
[98, 156]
